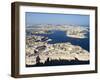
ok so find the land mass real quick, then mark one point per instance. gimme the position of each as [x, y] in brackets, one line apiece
[74, 31]
[39, 52]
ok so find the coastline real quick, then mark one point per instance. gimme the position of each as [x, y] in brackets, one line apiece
[38, 50]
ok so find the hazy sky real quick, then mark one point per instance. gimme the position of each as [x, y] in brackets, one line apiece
[47, 18]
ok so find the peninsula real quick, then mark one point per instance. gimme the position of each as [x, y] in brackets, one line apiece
[35, 48]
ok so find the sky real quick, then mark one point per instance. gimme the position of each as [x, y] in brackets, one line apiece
[48, 18]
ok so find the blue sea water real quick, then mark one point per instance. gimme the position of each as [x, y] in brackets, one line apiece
[58, 36]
